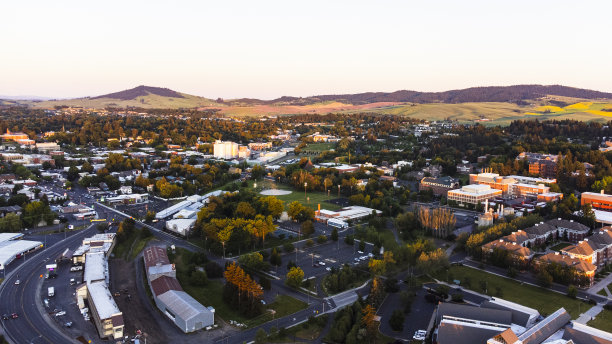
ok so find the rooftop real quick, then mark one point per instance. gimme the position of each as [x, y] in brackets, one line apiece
[182, 304]
[103, 300]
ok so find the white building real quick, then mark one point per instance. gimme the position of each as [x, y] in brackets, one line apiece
[473, 194]
[225, 150]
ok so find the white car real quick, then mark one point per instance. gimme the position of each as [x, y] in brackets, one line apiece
[322, 263]
[328, 268]
[17, 282]
[360, 252]
[58, 314]
[419, 335]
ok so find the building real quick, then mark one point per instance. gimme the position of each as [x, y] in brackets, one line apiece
[570, 230]
[47, 147]
[12, 247]
[599, 201]
[244, 152]
[181, 226]
[523, 316]
[439, 186]
[107, 317]
[225, 150]
[255, 146]
[16, 136]
[544, 165]
[513, 186]
[473, 194]
[182, 309]
[520, 255]
[585, 271]
[353, 213]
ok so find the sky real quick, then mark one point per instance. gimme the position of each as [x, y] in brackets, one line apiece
[267, 49]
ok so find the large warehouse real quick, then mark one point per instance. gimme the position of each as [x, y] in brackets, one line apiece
[185, 311]
[12, 248]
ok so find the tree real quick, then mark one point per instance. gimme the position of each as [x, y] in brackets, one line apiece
[377, 267]
[261, 337]
[150, 216]
[275, 258]
[572, 291]
[224, 235]
[271, 206]
[544, 278]
[295, 276]
[252, 261]
[11, 222]
[245, 210]
[307, 228]
[432, 262]
[396, 321]
[369, 313]
[334, 234]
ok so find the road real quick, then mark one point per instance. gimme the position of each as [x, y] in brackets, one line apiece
[33, 326]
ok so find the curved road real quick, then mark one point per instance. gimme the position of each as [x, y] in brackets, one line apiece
[33, 326]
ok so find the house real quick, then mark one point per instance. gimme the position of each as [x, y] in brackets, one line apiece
[581, 250]
[540, 233]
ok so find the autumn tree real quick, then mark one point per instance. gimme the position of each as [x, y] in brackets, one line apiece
[295, 276]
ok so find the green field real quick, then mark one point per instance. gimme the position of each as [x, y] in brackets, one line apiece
[603, 321]
[319, 147]
[544, 300]
[311, 199]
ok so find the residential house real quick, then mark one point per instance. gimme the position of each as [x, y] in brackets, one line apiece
[585, 271]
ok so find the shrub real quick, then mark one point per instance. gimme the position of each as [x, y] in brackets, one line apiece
[288, 247]
[321, 239]
[309, 243]
[458, 297]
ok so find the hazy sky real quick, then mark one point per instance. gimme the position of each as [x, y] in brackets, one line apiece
[267, 49]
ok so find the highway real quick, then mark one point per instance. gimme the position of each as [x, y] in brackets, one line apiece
[33, 325]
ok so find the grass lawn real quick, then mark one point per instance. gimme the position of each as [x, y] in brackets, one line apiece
[558, 247]
[602, 292]
[123, 247]
[283, 305]
[139, 245]
[545, 301]
[311, 199]
[319, 147]
[603, 321]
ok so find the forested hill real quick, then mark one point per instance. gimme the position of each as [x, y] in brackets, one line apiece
[472, 94]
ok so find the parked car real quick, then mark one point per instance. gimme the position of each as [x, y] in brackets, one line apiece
[14, 316]
[17, 282]
[419, 335]
[60, 313]
[5, 317]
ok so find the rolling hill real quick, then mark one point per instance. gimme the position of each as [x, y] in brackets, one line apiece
[490, 105]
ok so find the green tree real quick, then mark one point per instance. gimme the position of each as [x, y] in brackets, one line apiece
[307, 228]
[198, 278]
[572, 291]
[11, 222]
[334, 235]
[261, 337]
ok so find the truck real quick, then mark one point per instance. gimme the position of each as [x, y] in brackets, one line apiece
[51, 291]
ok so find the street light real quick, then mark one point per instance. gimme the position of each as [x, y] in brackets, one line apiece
[305, 185]
[338, 191]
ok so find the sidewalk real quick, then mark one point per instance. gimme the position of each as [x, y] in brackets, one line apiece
[590, 314]
[600, 285]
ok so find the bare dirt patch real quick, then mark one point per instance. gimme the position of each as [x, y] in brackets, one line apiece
[136, 314]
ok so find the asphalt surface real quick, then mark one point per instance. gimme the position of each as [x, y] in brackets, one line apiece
[34, 325]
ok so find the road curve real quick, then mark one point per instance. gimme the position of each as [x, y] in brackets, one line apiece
[32, 326]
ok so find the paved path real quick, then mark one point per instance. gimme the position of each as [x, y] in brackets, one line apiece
[590, 314]
[600, 285]
[608, 291]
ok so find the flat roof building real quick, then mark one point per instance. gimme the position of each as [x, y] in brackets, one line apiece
[473, 194]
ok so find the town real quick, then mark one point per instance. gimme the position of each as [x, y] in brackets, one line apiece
[222, 229]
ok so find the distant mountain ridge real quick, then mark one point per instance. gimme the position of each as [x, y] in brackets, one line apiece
[467, 95]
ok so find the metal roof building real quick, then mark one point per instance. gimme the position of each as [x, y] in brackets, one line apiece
[185, 311]
[12, 249]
